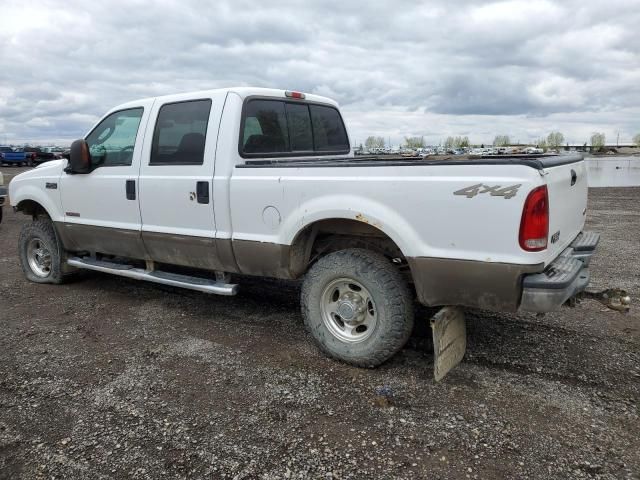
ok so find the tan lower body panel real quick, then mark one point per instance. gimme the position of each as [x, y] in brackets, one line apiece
[114, 241]
[253, 258]
[183, 250]
[438, 281]
[486, 285]
[262, 259]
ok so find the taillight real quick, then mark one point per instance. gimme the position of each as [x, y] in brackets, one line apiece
[534, 226]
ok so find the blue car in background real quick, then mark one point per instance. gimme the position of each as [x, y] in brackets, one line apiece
[11, 156]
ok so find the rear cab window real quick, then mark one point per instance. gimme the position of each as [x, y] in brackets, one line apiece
[281, 128]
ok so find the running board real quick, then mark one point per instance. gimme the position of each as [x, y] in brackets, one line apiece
[174, 279]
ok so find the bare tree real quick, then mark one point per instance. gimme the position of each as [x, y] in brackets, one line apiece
[456, 142]
[502, 141]
[449, 143]
[636, 139]
[542, 143]
[597, 141]
[555, 139]
[414, 142]
[372, 143]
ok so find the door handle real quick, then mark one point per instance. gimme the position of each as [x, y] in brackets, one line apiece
[202, 192]
[131, 189]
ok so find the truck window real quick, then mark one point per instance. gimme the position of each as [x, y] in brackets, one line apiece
[111, 143]
[273, 128]
[180, 133]
[299, 123]
[328, 129]
[265, 127]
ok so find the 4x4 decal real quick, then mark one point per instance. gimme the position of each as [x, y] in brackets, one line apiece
[495, 191]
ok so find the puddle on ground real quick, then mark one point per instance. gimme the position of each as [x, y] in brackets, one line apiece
[613, 171]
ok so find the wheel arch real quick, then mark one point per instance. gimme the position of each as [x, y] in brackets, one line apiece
[331, 234]
[28, 197]
[32, 207]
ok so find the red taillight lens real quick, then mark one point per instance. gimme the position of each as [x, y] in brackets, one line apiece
[290, 94]
[534, 226]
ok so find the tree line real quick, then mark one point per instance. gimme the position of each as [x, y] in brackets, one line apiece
[552, 141]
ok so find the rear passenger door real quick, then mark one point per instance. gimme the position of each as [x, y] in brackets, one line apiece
[176, 178]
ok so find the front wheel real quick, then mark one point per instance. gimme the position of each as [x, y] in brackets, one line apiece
[40, 254]
[357, 307]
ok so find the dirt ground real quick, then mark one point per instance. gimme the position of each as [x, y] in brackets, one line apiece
[112, 378]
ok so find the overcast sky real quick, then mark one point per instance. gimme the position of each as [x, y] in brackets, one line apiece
[520, 68]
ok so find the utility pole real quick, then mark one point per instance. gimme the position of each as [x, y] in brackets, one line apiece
[618, 140]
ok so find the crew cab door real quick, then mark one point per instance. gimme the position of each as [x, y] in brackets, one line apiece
[101, 212]
[176, 181]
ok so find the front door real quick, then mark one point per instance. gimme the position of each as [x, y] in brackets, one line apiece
[101, 211]
[176, 181]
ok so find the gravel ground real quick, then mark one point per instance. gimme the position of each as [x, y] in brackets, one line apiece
[111, 378]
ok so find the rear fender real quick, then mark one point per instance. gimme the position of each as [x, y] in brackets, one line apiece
[380, 216]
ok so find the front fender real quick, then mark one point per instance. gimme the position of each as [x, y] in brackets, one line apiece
[20, 192]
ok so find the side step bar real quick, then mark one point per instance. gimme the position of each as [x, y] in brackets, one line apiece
[174, 279]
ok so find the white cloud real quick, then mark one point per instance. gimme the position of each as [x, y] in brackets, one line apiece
[476, 68]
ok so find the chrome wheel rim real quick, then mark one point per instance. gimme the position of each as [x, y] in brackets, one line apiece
[348, 310]
[39, 257]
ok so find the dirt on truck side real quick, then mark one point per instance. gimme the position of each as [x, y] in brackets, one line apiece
[112, 378]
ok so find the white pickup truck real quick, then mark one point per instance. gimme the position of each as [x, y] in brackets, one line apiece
[189, 189]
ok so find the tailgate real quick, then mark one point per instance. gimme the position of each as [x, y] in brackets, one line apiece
[568, 189]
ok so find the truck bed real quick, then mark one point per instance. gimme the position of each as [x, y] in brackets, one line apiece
[538, 162]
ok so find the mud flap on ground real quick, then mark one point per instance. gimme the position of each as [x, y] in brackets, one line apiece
[449, 340]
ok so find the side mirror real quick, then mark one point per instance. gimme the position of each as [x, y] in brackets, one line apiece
[79, 157]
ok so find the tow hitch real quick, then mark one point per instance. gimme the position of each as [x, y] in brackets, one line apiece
[613, 298]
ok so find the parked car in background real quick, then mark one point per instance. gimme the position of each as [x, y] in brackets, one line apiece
[13, 157]
[39, 155]
[533, 150]
[3, 194]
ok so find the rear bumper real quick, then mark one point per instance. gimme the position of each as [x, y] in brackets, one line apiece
[563, 278]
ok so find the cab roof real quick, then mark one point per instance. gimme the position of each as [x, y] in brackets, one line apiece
[242, 92]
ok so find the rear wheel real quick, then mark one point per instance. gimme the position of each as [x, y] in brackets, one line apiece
[357, 307]
[40, 253]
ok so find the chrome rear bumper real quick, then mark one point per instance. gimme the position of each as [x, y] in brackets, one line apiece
[563, 278]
